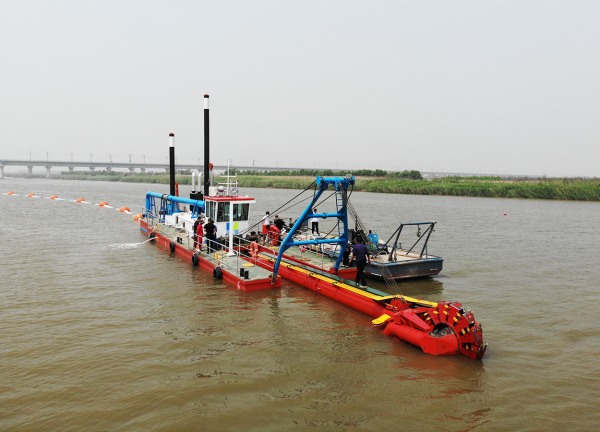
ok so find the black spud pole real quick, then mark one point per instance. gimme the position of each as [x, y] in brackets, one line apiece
[172, 163]
[206, 146]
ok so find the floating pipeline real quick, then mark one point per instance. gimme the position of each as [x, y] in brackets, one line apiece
[80, 200]
[437, 328]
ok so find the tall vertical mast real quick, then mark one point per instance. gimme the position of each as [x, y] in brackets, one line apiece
[206, 146]
[172, 163]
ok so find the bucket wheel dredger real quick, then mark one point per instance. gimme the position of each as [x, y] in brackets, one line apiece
[438, 328]
[442, 328]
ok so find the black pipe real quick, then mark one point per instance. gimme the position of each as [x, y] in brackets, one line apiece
[206, 147]
[172, 163]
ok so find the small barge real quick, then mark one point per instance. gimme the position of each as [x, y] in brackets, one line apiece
[390, 259]
[401, 262]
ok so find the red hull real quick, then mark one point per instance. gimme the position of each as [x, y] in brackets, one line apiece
[243, 284]
[443, 328]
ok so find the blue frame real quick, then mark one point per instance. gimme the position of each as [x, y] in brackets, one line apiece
[169, 205]
[323, 183]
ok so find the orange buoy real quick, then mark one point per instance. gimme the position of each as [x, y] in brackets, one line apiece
[80, 200]
[30, 195]
[10, 193]
[137, 217]
[103, 203]
[124, 209]
[53, 196]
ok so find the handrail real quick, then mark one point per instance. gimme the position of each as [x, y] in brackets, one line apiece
[426, 235]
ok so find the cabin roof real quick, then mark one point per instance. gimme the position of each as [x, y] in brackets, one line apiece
[237, 199]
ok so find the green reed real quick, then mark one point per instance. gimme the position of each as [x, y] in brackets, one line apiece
[576, 189]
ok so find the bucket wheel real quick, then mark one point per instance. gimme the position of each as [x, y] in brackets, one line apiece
[467, 330]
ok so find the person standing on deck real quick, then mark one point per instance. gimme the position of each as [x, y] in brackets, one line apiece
[279, 222]
[274, 233]
[361, 255]
[315, 223]
[265, 226]
[199, 234]
[194, 230]
[210, 229]
[346, 255]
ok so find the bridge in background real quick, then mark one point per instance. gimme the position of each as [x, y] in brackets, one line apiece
[109, 166]
[142, 167]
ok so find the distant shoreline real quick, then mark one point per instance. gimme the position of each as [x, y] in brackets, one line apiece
[567, 189]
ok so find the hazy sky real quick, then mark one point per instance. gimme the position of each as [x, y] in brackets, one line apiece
[497, 87]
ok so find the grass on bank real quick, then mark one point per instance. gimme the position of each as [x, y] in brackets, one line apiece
[576, 189]
[555, 189]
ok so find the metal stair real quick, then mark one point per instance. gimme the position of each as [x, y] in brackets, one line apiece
[375, 259]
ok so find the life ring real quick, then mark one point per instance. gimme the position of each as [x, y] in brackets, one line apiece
[195, 260]
[172, 246]
[254, 249]
[217, 273]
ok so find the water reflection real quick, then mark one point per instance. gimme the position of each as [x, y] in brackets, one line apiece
[416, 365]
[457, 384]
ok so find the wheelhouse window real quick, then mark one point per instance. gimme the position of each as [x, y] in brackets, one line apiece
[240, 212]
[219, 212]
[222, 212]
[211, 209]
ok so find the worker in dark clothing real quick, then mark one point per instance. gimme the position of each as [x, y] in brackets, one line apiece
[211, 235]
[279, 222]
[346, 255]
[360, 254]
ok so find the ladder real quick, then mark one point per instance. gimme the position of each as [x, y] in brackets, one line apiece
[341, 202]
[375, 259]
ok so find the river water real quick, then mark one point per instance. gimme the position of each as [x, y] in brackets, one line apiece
[103, 332]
